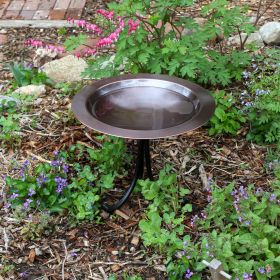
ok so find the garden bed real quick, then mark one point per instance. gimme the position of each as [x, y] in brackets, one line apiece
[47, 246]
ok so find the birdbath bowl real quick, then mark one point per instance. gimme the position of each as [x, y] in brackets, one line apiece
[142, 107]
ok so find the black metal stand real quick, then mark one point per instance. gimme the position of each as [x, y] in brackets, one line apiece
[143, 157]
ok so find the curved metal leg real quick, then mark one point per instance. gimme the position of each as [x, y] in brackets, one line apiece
[148, 159]
[139, 169]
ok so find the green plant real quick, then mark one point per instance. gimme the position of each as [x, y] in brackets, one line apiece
[227, 117]
[5, 266]
[163, 227]
[152, 49]
[67, 184]
[9, 122]
[244, 230]
[25, 76]
[36, 225]
[240, 227]
[68, 89]
[264, 110]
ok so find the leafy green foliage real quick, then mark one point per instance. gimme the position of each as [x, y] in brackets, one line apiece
[36, 225]
[246, 231]
[240, 227]
[9, 122]
[264, 115]
[227, 118]
[163, 227]
[150, 49]
[67, 184]
[25, 76]
[74, 41]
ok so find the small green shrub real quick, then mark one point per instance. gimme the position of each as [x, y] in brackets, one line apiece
[65, 184]
[150, 49]
[163, 227]
[240, 227]
[243, 225]
[227, 117]
[9, 122]
[264, 112]
[25, 76]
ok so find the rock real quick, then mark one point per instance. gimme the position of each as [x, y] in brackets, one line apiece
[3, 31]
[42, 56]
[7, 99]
[270, 33]
[66, 69]
[31, 89]
[253, 38]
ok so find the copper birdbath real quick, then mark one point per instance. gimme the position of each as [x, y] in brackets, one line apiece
[143, 107]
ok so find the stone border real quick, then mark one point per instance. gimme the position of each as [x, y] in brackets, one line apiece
[34, 23]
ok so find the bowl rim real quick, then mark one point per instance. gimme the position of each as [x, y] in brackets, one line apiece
[205, 110]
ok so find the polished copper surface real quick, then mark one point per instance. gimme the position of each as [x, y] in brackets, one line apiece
[143, 106]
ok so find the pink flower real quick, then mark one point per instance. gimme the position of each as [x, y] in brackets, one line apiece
[87, 25]
[89, 52]
[106, 14]
[133, 25]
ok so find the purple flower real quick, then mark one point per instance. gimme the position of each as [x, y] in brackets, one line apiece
[247, 276]
[55, 153]
[23, 274]
[188, 274]
[61, 184]
[240, 219]
[65, 168]
[193, 220]
[14, 195]
[73, 254]
[261, 270]
[259, 191]
[185, 243]
[247, 223]
[55, 163]
[246, 74]
[41, 179]
[203, 215]
[27, 203]
[23, 169]
[272, 197]
[31, 192]
[7, 205]
[268, 269]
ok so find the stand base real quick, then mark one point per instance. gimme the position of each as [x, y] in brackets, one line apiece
[143, 158]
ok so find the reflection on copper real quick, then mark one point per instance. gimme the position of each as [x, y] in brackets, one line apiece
[143, 106]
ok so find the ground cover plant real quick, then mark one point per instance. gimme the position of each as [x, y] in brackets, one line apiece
[218, 195]
[60, 185]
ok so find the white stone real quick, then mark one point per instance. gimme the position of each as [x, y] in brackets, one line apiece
[253, 38]
[66, 69]
[42, 56]
[31, 89]
[270, 33]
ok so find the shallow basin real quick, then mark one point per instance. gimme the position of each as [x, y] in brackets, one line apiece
[143, 106]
